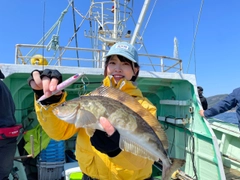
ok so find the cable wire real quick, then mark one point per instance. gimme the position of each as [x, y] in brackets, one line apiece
[195, 34]
[43, 30]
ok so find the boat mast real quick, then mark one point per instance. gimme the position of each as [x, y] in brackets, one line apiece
[110, 19]
[115, 19]
[108, 25]
[140, 20]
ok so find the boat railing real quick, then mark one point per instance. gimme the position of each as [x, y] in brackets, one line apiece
[88, 57]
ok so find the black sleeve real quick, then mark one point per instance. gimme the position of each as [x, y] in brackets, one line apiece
[1, 75]
[7, 107]
[204, 104]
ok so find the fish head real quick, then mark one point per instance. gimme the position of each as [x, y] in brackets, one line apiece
[67, 111]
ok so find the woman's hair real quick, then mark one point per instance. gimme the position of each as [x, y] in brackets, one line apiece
[122, 59]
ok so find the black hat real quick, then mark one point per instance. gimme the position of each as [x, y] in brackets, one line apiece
[200, 88]
[1, 75]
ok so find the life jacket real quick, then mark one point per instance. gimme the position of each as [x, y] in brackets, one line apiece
[10, 132]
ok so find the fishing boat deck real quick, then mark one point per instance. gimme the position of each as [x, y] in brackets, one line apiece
[231, 174]
[161, 80]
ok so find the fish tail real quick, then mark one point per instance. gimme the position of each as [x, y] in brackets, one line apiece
[168, 171]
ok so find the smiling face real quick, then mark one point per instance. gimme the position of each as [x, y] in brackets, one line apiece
[120, 68]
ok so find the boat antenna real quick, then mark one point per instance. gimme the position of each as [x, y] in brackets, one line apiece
[195, 35]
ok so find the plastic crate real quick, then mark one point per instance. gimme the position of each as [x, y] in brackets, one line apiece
[55, 152]
[50, 170]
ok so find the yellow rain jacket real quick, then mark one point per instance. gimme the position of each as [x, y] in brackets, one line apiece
[125, 166]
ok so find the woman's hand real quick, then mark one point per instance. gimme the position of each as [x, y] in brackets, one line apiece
[45, 82]
[201, 112]
[106, 142]
[107, 126]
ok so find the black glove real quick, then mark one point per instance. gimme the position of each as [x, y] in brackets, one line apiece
[106, 144]
[50, 74]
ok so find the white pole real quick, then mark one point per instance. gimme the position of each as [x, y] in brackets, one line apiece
[139, 23]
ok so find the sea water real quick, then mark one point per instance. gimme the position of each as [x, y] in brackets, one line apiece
[229, 117]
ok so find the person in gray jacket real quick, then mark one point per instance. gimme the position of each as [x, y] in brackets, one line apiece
[7, 119]
[231, 101]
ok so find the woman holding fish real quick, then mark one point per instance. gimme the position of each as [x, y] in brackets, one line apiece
[99, 146]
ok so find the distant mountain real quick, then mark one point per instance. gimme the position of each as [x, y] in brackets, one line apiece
[212, 100]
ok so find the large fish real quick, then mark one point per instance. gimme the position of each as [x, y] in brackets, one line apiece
[140, 132]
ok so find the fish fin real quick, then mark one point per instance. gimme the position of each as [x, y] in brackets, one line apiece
[169, 171]
[160, 133]
[134, 105]
[132, 147]
[86, 119]
[90, 131]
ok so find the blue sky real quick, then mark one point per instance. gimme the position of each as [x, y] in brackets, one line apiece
[215, 59]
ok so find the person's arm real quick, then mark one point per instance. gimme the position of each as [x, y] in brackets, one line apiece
[204, 103]
[54, 127]
[7, 107]
[108, 143]
[45, 82]
[224, 105]
[1, 75]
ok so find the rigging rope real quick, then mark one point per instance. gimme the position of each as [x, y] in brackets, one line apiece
[75, 32]
[141, 37]
[195, 35]
[63, 51]
[149, 17]
[43, 30]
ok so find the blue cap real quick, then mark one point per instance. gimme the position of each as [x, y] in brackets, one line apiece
[124, 49]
